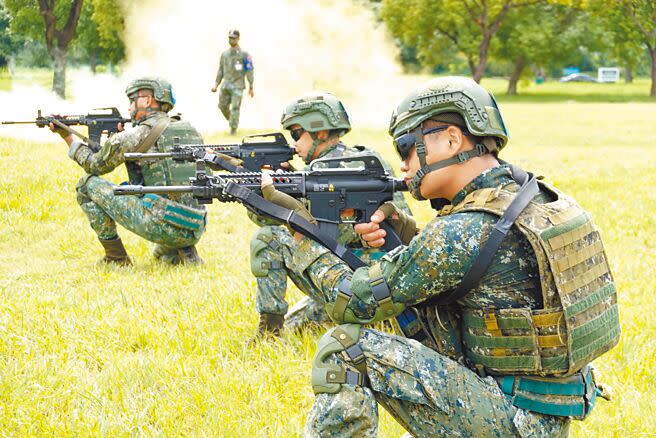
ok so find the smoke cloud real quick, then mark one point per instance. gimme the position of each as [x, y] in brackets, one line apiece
[296, 46]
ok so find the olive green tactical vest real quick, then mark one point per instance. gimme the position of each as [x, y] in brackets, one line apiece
[580, 319]
[169, 172]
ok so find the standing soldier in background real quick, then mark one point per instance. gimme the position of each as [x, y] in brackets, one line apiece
[174, 222]
[235, 63]
[316, 122]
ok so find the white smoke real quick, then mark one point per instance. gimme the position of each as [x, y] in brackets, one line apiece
[296, 46]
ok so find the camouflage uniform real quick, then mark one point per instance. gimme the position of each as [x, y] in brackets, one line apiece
[145, 216]
[425, 386]
[234, 65]
[507, 358]
[272, 287]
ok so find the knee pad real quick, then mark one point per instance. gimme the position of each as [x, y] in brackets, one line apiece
[327, 376]
[260, 264]
[81, 190]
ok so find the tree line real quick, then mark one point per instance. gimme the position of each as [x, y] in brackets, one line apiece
[524, 34]
[515, 37]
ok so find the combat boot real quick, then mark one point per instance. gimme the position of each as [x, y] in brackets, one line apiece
[115, 252]
[189, 256]
[270, 325]
[233, 131]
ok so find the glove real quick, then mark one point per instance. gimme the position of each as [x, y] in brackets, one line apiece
[284, 200]
[404, 225]
[58, 130]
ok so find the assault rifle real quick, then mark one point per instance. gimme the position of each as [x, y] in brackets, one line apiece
[254, 154]
[98, 120]
[329, 190]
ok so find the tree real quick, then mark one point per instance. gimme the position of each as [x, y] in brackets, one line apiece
[100, 32]
[56, 21]
[543, 35]
[433, 26]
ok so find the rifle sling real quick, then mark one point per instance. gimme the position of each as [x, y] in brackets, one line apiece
[528, 190]
[154, 134]
[261, 205]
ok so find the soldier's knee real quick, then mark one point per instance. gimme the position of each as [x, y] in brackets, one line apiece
[261, 259]
[329, 376]
[81, 190]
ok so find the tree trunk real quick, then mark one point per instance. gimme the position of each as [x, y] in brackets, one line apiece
[628, 75]
[482, 58]
[59, 75]
[652, 52]
[520, 63]
[93, 62]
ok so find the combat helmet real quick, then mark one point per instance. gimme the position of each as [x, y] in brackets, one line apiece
[316, 111]
[162, 89]
[454, 100]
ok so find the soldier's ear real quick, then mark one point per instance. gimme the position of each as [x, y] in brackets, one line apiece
[322, 135]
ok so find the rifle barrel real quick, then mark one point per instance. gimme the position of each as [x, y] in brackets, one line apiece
[140, 190]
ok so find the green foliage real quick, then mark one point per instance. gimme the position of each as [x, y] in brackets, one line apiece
[155, 350]
[101, 31]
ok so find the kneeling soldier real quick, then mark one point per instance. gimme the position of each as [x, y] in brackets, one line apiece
[502, 300]
[173, 223]
[316, 121]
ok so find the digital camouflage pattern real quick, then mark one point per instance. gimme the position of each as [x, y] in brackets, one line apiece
[427, 393]
[234, 65]
[433, 262]
[147, 217]
[272, 288]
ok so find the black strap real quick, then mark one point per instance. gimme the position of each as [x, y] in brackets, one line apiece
[528, 190]
[265, 208]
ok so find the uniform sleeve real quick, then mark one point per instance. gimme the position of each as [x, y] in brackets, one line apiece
[432, 263]
[248, 66]
[220, 72]
[110, 154]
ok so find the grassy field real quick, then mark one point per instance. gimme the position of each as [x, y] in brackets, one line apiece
[88, 350]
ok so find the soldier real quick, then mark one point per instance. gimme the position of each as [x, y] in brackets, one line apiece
[499, 320]
[173, 223]
[316, 121]
[235, 63]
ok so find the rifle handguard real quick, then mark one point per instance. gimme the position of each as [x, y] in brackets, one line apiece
[231, 160]
[405, 226]
[284, 200]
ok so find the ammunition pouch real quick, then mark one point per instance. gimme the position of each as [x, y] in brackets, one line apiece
[174, 213]
[260, 264]
[572, 396]
[329, 377]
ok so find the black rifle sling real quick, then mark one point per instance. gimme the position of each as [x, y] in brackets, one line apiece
[261, 205]
[528, 190]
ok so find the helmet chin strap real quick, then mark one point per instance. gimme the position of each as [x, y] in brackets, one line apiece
[315, 143]
[420, 147]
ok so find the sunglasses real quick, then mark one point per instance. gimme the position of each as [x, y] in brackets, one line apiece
[403, 143]
[297, 133]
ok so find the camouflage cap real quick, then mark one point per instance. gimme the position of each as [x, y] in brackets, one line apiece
[162, 89]
[452, 94]
[316, 111]
[234, 33]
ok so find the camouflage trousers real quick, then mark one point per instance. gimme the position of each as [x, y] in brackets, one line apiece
[229, 103]
[104, 210]
[272, 287]
[427, 393]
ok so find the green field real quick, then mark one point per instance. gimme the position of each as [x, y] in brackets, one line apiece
[161, 351]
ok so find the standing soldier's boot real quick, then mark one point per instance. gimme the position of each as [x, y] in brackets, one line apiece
[115, 252]
[189, 256]
[233, 131]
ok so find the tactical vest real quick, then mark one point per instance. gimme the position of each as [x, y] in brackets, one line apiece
[579, 320]
[168, 172]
